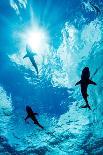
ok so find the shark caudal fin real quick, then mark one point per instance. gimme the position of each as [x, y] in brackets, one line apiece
[86, 106]
[39, 125]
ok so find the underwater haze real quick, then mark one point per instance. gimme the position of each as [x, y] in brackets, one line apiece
[65, 36]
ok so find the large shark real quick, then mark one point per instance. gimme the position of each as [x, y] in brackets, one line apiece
[84, 82]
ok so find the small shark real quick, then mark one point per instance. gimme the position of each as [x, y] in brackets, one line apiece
[31, 55]
[32, 115]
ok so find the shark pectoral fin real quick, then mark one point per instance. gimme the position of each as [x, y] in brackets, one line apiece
[91, 82]
[79, 82]
[34, 54]
[36, 113]
[25, 56]
[27, 117]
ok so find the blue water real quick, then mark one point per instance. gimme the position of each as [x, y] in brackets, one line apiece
[73, 39]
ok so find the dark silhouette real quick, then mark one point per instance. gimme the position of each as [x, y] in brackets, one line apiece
[84, 82]
[96, 8]
[31, 115]
[30, 55]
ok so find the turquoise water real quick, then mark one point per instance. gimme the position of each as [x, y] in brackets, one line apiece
[69, 37]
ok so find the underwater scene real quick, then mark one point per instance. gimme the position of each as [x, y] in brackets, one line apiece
[51, 77]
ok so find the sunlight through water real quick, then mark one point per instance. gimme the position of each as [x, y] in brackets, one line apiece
[37, 39]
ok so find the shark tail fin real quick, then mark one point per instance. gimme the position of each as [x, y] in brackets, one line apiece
[86, 106]
[41, 126]
[37, 123]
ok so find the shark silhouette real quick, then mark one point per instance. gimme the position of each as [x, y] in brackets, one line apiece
[84, 82]
[32, 116]
[31, 55]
